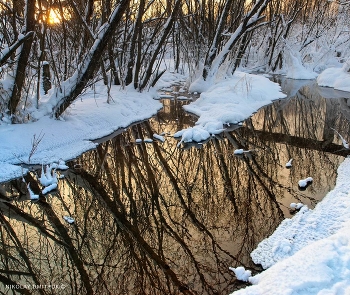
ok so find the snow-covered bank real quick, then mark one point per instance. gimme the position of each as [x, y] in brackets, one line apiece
[310, 253]
[228, 102]
[89, 118]
[337, 78]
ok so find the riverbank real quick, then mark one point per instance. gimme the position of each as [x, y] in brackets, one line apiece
[91, 117]
[309, 253]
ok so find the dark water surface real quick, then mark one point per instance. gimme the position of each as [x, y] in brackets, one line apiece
[151, 218]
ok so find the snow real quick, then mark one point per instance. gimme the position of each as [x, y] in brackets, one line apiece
[159, 137]
[296, 70]
[337, 78]
[31, 193]
[241, 273]
[344, 142]
[61, 165]
[309, 253]
[296, 206]
[228, 101]
[305, 182]
[181, 97]
[69, 219]
[289, 163]
[239, 152]
[49, 188]
[8, 171]
[89, 118]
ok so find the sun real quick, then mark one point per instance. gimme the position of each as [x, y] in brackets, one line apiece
[54, 17]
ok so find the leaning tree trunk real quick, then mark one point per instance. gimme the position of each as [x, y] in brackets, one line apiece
[90, 64]
[249, 22]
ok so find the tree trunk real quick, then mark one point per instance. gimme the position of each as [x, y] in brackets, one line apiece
[167, 28]
[88, 66]
[251, 20]
[23, 59]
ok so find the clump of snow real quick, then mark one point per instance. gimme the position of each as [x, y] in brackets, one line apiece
[49, 188]
[148, 140]
[48, 176]
[159, 137]
[309, 253]
[166, 96]
[241, 273]
[305, 182]
[69, 219]
[228, 101]
[138, 140]
[31, 193]
[60, 165]
[238, 152]
[289, 163]
[337, 78]
[196, 134]
[181, 97]
[296, 206]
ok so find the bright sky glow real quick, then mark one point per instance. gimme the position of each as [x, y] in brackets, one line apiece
[54, 17]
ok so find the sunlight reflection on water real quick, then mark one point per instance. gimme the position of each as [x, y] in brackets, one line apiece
[151, 218]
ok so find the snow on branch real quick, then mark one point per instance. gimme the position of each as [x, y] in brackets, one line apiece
[8, 51]
[249, 22]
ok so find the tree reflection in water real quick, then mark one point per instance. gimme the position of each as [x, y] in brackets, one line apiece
[155, 219]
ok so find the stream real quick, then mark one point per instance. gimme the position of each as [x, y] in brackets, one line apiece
[152, 218]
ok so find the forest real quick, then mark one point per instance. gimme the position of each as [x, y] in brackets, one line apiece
[157, 147]
[53, 50]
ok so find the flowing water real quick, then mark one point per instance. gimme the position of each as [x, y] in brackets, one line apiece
[151, 218]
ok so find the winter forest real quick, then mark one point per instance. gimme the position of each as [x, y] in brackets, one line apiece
[175, 147]
[63, 47]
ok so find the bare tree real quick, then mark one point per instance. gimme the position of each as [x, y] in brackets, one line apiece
[22, 62]
[89, 65]
[250, 21]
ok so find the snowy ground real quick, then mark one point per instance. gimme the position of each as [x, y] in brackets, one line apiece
[310, 253]
[89, 118]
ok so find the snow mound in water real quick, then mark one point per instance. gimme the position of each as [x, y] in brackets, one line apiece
[229, 101]
[337, 78]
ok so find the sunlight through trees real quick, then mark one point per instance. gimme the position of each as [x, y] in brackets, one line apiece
[49, 44]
